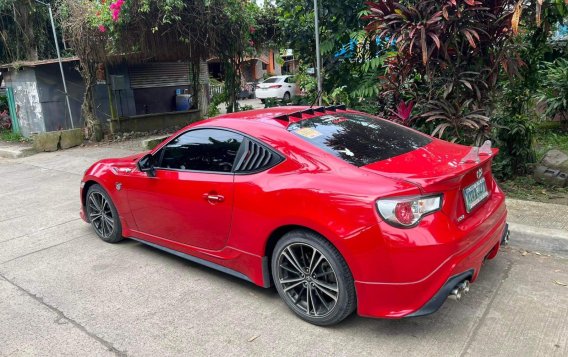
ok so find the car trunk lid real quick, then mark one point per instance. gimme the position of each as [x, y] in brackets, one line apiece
[438, 168]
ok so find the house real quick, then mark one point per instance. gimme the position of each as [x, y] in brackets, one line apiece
[37, 94]
[127, 96]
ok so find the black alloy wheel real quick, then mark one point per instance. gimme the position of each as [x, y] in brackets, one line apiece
[313, 278]
[103, 215]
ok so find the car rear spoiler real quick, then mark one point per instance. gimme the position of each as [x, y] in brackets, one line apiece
[476, 152]
[311, 111]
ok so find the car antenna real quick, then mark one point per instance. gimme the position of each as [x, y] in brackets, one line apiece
[316, 99]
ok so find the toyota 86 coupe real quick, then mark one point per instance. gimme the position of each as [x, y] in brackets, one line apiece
[337, 209]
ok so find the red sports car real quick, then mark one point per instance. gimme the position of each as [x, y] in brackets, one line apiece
[339, 210]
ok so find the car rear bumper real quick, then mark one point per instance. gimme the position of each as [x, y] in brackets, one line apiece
[440, 297]
[425, 296]
[268, 93]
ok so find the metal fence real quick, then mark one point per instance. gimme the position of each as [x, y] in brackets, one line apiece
[215, 90]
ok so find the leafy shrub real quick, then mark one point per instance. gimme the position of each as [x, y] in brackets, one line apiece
[3, 103]
[243, 108]
[555, 89]
[449, 55]
[214, 105]
[514, 136]
[270, 102]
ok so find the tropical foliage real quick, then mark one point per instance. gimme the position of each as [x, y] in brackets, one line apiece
[449, 56]
[555, 89]
[25, 32]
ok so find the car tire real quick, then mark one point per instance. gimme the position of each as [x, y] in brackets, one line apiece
[286, 97]
[263, 101]
[103, 215]
[312, 278]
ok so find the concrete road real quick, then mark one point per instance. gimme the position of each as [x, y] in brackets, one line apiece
[65, 292]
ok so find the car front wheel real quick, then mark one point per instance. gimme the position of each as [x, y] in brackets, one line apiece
[103, 215]
[313, 278]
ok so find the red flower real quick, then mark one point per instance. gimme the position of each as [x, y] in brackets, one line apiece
[116, 7]
[102, 28]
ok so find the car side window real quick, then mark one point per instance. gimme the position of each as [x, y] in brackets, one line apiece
[211, 150]
[290, 80]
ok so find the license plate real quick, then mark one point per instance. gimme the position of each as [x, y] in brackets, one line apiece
[475, 193]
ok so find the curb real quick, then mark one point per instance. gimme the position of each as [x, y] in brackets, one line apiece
[539, 239]
[16, 153]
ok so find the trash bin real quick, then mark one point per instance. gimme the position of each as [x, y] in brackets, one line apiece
[183, 102]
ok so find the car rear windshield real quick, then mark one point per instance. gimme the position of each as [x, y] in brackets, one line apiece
[358, 139]
[273, 80]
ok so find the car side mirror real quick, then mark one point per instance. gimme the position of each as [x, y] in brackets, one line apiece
[147, 164]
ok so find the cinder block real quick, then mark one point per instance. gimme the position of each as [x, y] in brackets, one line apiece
[71, 138]
[48, 141]
[151, 143]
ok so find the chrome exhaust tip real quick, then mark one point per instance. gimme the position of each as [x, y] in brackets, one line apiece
[464, 286]
[459, 291]
[455, 294]
[505, 237]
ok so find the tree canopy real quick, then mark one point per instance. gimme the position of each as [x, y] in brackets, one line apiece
[25, 31]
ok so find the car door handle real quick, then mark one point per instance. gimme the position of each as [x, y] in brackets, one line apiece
[213, 198]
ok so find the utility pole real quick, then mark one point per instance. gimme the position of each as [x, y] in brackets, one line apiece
[59, 59]
[318, 56]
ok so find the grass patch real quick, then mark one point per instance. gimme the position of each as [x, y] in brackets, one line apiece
[548, 139]
[526, 188]
[6, 135]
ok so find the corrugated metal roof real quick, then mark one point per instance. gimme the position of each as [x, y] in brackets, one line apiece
[37, 63]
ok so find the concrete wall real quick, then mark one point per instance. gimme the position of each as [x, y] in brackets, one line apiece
[26, 97]
[141, 123]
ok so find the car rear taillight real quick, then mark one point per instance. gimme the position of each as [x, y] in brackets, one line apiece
[275, 86]
[407, 212]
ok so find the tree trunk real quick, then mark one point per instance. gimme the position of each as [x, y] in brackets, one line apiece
[203, 90]
[92, 126]
[24, 12]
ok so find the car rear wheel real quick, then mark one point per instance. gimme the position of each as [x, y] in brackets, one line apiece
[103, 215]
[286, 97]
[313, 278]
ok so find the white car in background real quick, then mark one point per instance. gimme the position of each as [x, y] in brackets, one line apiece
[280, 87]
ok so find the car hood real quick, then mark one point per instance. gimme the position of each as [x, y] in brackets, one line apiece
[127, 161]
